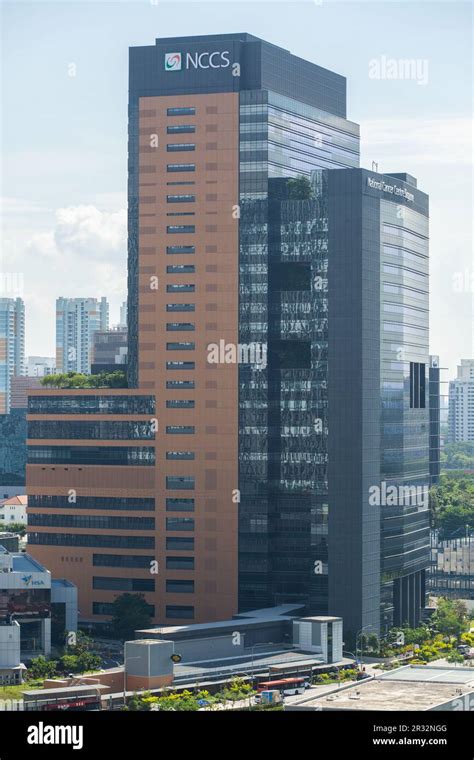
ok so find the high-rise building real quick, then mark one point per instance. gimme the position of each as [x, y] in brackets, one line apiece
[461, 404]
[109, 351]
[38, 366]
[278, 360]
[12, 347]
[123, 315]
[76, 321]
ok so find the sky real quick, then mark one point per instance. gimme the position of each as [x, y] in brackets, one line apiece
[63, 175]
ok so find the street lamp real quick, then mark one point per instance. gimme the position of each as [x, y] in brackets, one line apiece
[263, 644]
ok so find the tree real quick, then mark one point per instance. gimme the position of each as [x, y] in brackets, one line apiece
[451, 617]
[299, 188]
[455, 657]
[130, 611]
[116, 379]
[40, 667]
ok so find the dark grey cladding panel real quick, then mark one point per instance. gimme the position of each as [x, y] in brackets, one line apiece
[353, 400]
[262, 66]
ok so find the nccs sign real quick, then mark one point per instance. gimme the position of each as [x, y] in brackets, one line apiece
[216, 60]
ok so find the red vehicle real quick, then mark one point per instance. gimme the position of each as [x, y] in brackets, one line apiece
[286, 686]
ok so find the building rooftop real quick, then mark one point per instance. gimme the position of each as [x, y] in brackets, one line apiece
[15, 500]
[24, 563]
[267, 614]
[389, 695]
[407, 688]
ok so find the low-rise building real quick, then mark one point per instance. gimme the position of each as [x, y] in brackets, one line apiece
[29, 599]
[13, 510]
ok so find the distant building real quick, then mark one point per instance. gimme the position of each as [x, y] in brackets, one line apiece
[12, 346]
[13, 510]
[109, 350]
[77, 319]
[19, 390]
[38, 366]
[452, 566]
[461, 404]
[123, 315]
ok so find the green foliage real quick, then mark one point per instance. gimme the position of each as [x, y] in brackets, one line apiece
[451, 617]
[235, 690]
[458, 456]
[299, 188]
[455, 657]
[40, 667]
[130, 612]
[15, 528]
[116, 379]
[452, 504]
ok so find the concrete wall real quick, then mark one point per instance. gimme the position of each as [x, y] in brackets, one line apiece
[10, 645]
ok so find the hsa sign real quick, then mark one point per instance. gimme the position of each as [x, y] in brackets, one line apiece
[206, 60]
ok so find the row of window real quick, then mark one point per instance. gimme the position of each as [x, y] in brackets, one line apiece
[105, 583]
[92, 455]
[73, 501]
[172, 610]
[140, 561]
[178, 543]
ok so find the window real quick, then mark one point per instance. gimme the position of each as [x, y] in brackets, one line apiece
[106, 455]
[180, 404]
[122, 560]
[180, 198]
[180, 429]
[175, 611]
[179, 523]
[180, 587]
[175, 483]
[181, 288]
[179, 385]
[180, 229]
[180, 307]
[87, 539]
[180, 249]
[179, 505]
[178, 129]
[180, 455]
[181, 167]
[180, 269]
[180, 365]
[175, 147]
[123, 584]
[181, 346]
[180, 544]
[180, 326]
[93, 502]
[417, 385]
[180, 563]
[93, 522]
[183, 111]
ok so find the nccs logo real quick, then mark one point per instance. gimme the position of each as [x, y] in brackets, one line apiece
[173, 61]
[204, 60]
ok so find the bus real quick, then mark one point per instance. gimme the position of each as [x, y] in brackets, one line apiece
[286, 686]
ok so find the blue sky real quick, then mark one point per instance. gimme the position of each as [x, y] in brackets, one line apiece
[64, 146]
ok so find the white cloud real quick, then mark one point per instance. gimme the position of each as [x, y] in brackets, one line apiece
[417, 142]
[83, 254]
